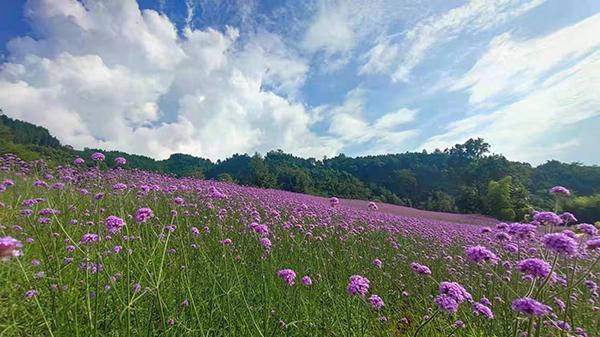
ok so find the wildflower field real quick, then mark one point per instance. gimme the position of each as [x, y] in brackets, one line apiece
[124, 252]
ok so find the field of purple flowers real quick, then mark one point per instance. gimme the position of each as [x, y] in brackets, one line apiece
[123, 252]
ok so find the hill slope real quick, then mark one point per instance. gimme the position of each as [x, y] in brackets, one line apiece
[464, 178]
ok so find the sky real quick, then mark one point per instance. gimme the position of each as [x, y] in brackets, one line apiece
[314, 78]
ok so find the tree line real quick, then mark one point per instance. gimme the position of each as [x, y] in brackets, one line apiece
[465, 178]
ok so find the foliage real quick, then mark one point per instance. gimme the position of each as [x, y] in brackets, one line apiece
[454, 180]
[121, 252]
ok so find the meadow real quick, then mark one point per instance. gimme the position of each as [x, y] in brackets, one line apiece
[120, 252]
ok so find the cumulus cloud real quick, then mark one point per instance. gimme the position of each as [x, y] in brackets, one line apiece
[106, 74]
[399, 54]
[387, 134]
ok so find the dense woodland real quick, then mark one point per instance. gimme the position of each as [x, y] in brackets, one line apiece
[466, 178]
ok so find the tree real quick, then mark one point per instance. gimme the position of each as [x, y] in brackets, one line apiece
[469, 200]
[471, 149]
[294, 179]
[225, 177]
[498, 201]
[440, 202]
[259, 173]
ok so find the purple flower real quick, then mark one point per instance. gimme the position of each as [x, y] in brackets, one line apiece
[97, 156]
[306, 280]
[588, 229]
[288, 275]
[333, 201]
[420, 269]
[376, 302]
[78, 161]
[377, 263]
[119, 186]
[502, 236]
[114, 224]
[357, 285]
[481, 254]
[534, 267]
[522, 230]
[480, 309]
[120, 161]
[593, 243]
[446, 303]
[568, 217]
[531, 307]
[549, 218]
[178, 201]
[89, 238]
[265, 242]
[560, 243]
[560, 191]
[263, 230]
[9, 246]
[143, 214]
[31, 293]
[227, 242]
[455, 291]
[195, 231]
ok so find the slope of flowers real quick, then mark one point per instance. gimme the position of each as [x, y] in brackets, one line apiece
[126, 253]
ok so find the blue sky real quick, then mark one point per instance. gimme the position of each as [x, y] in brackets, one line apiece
[314, 78]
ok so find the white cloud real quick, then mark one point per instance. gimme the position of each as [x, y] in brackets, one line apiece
[109, 75]
[394, 119]
[400, 58]
[340, 27]
[349, 125]
[333, 29]
[514, 67]
[522, 130]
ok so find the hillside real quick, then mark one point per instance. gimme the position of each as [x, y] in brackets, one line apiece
[122, 252]
[465, 178]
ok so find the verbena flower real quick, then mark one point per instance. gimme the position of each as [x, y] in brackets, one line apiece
[531, 307]
[456, 291]
[567, 217]
[481, 309]
[534, 267]
[97, 156]
[549, 218]
[593, 243]
[287, 275]
[420, 269]
[560, 191]
[376, 302]
[560, 243]
[265, 242]
[306, 280]
[481, 254]
[89, 238]
[588, 229]
[143, 214]
[120, 161]
[447, 303]
[358, 285]
[114, 224]
[9, 247]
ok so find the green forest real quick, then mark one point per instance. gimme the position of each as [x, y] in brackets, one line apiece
[466, 178]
